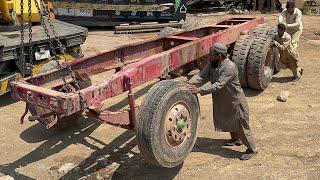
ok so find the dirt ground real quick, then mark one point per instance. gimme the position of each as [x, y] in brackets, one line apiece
[287, 134]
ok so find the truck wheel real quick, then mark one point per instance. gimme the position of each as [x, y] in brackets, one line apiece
[276, 61]
[263, 30]
[167, 123]
[260, 63]
[240, 57]
[260, 30]
[272, 32]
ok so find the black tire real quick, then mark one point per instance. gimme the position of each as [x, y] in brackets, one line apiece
[261, 30]
[276, 60]
[260, 63]
[240, 57]
[153, 111]
[272, 32]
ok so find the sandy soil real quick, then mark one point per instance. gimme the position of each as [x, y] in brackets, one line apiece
[287, 134]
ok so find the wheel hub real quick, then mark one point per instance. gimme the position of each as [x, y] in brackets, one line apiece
[181, 124]
[177, 125]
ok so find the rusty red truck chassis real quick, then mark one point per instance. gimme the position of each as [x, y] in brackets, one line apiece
[136, 64]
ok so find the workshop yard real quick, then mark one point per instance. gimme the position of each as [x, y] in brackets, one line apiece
[287, 134]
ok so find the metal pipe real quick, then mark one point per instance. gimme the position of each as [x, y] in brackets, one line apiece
[131, 101]
[26, 110]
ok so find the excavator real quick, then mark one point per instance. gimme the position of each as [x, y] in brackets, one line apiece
[30, 38]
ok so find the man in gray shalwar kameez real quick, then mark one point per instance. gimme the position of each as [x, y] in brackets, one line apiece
[230, 108]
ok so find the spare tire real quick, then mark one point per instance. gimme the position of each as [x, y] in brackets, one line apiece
[260, 63]
[240, 57]
[260, 30]
[263, 30]
[167, 123]
[272, 32]
[276, 60]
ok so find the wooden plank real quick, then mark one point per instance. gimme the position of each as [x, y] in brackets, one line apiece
[149, 26]
[236, 20]
[127, 24]
[184, 38]
[221, 26]
[137, 30]
[149, 23]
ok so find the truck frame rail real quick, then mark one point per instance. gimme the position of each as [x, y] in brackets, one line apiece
[135, 65]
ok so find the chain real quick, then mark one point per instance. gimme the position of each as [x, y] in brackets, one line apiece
[60, 45]
[30, 34]
[21, 32]
[62, 49]
[51, 44]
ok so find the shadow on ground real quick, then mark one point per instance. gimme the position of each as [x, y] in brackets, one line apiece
[282, 79]
[215, 147]
[118, 161]
[119, 165]
[6, 99]
[251, 92]
[56, 141]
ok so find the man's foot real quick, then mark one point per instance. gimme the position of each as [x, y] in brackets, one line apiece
[276, 72]
[295, 79]
[248, 155]
[234, 142]
[301, 71]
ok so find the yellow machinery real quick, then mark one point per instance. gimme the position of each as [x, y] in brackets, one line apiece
[11, 11]
[22, 56]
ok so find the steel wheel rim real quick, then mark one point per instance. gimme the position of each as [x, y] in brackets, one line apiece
[177, 125]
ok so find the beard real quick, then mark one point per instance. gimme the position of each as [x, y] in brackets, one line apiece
[214, 63]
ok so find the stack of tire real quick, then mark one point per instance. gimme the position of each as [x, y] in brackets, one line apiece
[256, 58]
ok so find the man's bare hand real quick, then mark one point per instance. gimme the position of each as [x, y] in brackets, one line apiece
[194, 90]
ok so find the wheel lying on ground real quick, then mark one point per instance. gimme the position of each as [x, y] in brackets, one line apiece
[167, 123]
[260, 63]
[240, 57]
